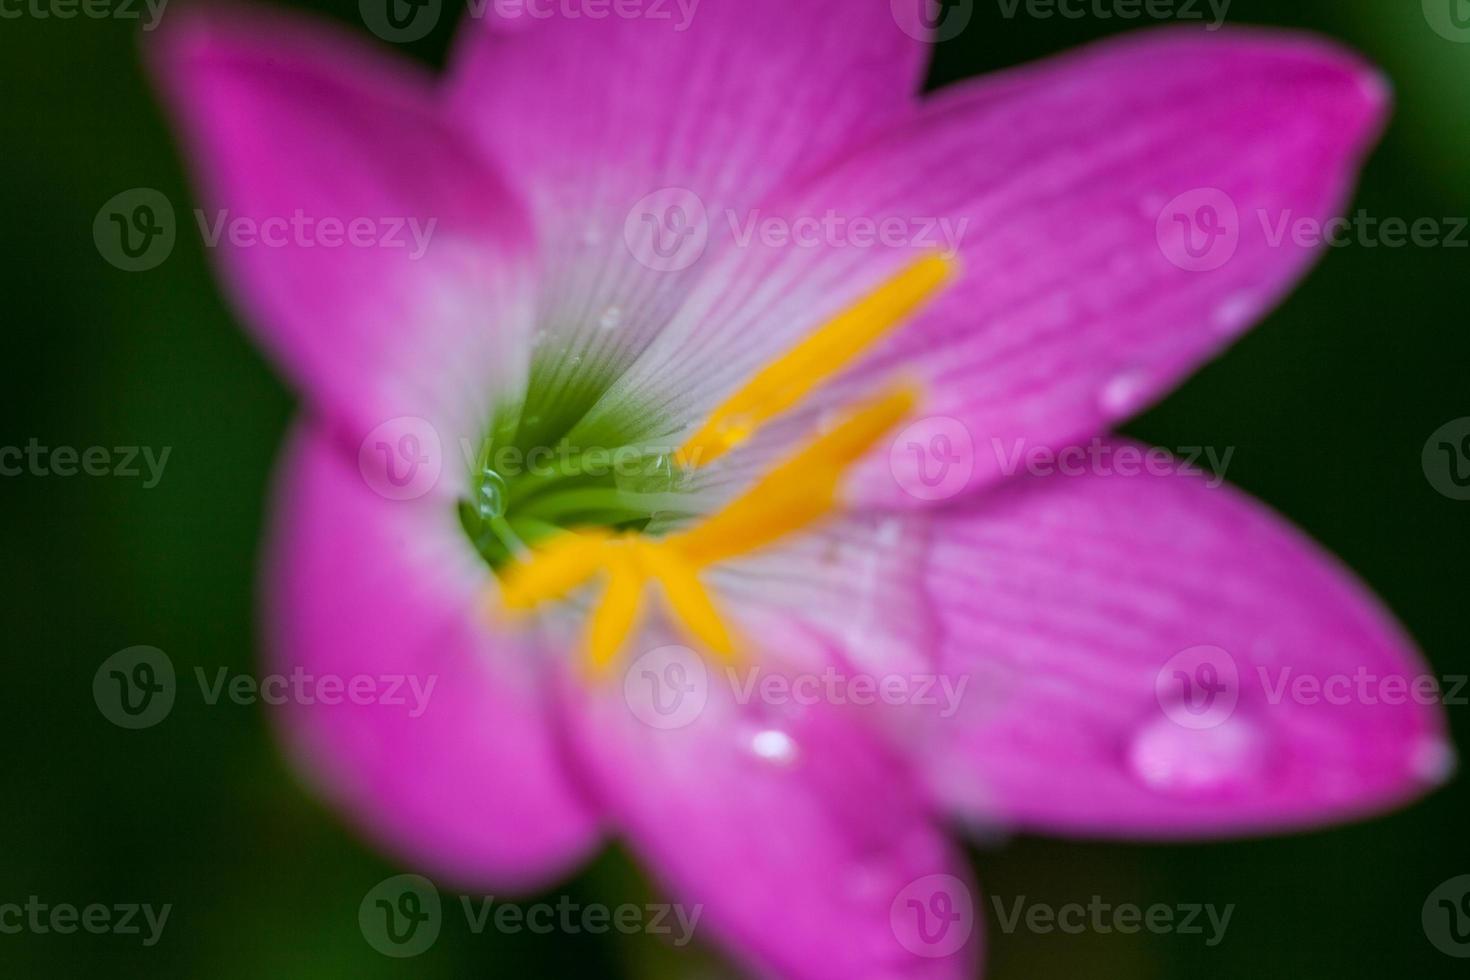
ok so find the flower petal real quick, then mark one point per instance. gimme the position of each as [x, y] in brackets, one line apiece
[464, 778]
[800, 834]
[1063, 187]
[378, 258]
[1139, 645]
[631, 135]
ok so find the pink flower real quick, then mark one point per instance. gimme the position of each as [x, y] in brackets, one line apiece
[822, 314]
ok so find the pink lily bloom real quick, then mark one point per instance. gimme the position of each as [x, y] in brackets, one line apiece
[599, 272]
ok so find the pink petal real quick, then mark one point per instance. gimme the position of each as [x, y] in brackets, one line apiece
[287, 117]
[467, 780]
[800, 835]
[1092, 614]
[615, 126]
[1059, 182]
[730, 102]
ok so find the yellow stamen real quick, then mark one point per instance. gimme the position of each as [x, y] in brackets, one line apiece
[797, 492]
[801, 490]
[559, 566]
[687, 598]
[821, 355]
[618, 612]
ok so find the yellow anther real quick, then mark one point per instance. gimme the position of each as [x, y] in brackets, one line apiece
[785, 381]
[798, 492]
[554, 569]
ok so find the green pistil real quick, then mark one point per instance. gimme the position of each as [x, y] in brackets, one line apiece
[566, 505]
[617, 489]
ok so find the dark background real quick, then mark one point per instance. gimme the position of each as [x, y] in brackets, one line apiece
[1328, 405]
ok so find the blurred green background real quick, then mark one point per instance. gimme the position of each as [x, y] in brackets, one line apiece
[1327, 405]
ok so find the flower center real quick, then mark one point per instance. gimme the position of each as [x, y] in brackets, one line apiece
[551, 532]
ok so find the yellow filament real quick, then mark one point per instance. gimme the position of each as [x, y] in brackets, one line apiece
[821, 355]
[798, 492]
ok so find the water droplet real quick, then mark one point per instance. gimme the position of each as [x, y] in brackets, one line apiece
[774, 746]
[491, 500]
[649, 473]
[1179, 761]
[890, 532]
[1433, 761]
[611, 317]
[1234, 313]
[1124, 393]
